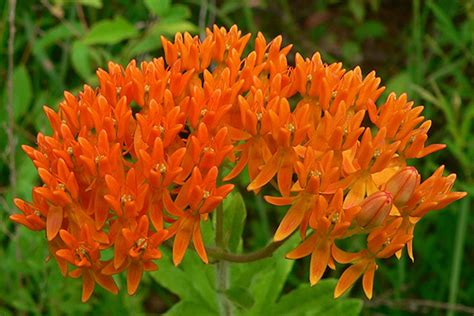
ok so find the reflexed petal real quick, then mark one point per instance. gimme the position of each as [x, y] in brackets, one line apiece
[65, 254]
[54, 221]
[266, 174]
[278, 200]
[88, 285]
[304, 249]
[198, 244]
[107, 282]
[134, 275]
[182, 239]
[284, 179]
[290, 222]
[68, 239]
[319, 261]
[368, 280]
[348, 278]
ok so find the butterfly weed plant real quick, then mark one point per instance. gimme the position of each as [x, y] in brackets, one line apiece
[145, 161]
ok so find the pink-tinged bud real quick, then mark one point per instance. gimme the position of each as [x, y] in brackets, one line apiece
[402, 185]
[374, 209]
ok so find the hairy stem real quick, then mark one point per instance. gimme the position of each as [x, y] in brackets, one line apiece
[222, 268]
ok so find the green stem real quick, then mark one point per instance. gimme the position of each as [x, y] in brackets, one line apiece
[458, 253]
[222, 268]
[220, 254]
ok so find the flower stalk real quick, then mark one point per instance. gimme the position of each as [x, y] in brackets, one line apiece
[260, 254]
[222, 266]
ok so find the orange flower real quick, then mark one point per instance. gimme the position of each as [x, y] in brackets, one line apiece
[135, 248]
[85, 255]
[287, 131]
[32, 218]
[198, 197]
[381, 243]
[329, 221]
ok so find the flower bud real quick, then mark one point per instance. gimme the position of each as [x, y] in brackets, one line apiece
[402, 185]
[374, 209]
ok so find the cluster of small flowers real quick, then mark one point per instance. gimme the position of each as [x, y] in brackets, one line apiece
[137, 161]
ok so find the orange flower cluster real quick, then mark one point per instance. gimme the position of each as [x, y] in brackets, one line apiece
[142, 159]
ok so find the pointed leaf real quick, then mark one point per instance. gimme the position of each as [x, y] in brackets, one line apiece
[240, 296]
[234, 219]
[318, 300]
[81, 60]
[158, 7]
[22, 92]
[110, 32]
[192, 280]
[265, 278]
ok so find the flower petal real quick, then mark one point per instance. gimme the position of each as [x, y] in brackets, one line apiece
[198, 244]
[54, 221]
[368, 280]
[88, 285]
[134, 275]
[319, 261]
[348, 278]
[182, 239]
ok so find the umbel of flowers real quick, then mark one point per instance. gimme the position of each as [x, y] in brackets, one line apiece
[145, 157]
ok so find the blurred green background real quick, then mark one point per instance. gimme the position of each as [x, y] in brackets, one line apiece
[424, 48]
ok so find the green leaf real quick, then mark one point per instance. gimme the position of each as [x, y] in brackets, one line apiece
[81, 61]
[265, 278]
[399, 83]
[234, 219]
[351, 51]
[177, 13]
[90, 3]
[190, 308]
[22, 92]
[316, 300]
[240, 296]
[192, 280]
[151, 41]
[158, 7]
[54, 35]
[357, 8]
[23, 301]
[110, 32]
[4, 311]
[467, 122]
[446, 25]
[172, 27]
[370, 29]
[26, 177]
[148, 43]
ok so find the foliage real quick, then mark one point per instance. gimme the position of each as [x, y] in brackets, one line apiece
[255, 288]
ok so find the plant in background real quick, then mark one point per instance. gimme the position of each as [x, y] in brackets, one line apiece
[139, 163]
